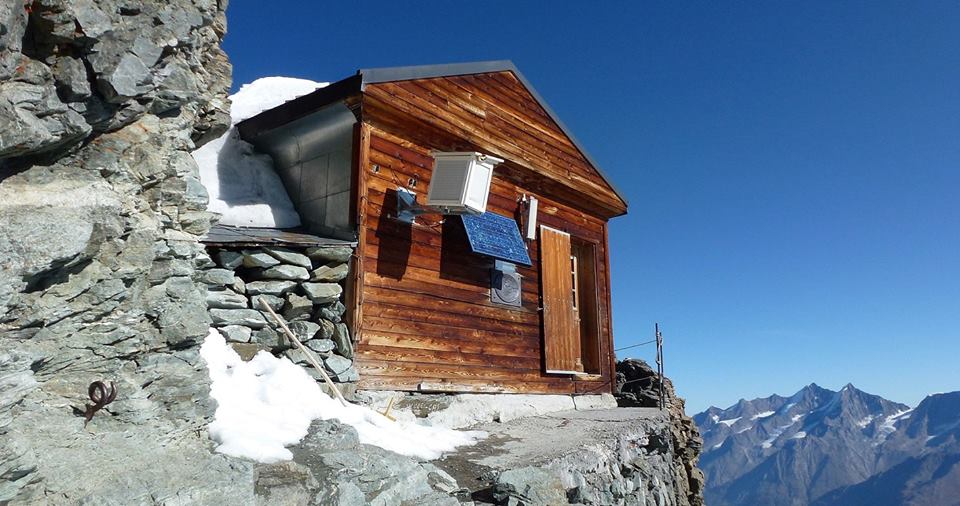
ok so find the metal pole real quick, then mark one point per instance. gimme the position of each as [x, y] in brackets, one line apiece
[659, 337]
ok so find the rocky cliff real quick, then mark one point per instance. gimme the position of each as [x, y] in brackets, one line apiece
[101, 103]
[103, 277]
[638, 385]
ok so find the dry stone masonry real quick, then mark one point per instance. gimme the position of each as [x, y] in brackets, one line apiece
[304, 287]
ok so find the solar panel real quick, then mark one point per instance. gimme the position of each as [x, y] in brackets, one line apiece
[495, 236]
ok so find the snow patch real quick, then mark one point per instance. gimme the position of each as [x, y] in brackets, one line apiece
[866, 421]
[715, 418]
[777, 433]
[718, 445]
[242, 183]
[741, 431]
[730, 421]
[765, 414]
[799, 435]
[268, 403]
[888, 426]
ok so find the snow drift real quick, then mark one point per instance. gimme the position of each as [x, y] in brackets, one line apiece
[268, 403]
[243, 185]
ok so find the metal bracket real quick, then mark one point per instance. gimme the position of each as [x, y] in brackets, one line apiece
[407, 207]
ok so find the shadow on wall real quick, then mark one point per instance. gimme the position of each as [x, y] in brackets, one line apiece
[394, 240]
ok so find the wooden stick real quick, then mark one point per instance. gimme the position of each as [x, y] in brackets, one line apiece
[386, 412]
[307, 352]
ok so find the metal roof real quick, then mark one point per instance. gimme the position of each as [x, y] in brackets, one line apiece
[353, 84]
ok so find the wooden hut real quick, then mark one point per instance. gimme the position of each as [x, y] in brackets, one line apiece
[426, 310]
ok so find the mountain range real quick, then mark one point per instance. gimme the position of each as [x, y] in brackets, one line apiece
[831, 448]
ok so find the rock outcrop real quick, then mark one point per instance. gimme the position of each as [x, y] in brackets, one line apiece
[639, 385]
[101, 103]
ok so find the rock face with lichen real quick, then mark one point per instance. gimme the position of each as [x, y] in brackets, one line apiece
[101, 102]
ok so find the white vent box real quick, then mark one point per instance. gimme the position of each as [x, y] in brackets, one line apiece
[460, 183]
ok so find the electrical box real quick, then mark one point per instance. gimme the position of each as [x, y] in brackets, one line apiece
[460, 183]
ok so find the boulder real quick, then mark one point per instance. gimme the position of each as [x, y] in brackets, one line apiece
[236, 333]
[246, 350]
[304, 330]
[337, 364]
[330, 273]
[326, 329]
[273, 301]
[217, 277]
[350, 374]
[246, 317]
[238, 285]
[297, 307]
[277, 288]
[326, 254]
[322, 346]
[284, 271]
[297, 357]
[270, 339]
[258, 259]
[341, 337]
[332, 312]
[350, 473]
[229, 259]
[289, 257]
[226, 299]
[322, 293]
[637, 384]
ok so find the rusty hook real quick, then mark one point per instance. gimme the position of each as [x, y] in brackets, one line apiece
[101, 395]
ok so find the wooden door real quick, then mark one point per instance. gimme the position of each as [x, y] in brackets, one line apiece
[561, 344]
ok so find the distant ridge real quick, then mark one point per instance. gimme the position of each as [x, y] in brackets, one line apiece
[832, 448]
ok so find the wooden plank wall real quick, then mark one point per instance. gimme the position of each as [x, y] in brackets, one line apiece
[426, 319]
[494, 113]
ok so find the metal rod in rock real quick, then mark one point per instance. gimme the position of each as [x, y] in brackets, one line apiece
[309, 354]
[659, 339]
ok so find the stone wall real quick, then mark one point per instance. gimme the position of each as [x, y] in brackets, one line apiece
[304, 287]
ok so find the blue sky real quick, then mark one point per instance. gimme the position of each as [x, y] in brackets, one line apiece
[792, 167]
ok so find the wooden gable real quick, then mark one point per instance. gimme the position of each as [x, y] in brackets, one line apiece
[494, 113]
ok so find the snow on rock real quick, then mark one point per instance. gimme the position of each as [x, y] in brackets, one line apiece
[241, 182]
[268, 403]
[765, 414]
[730, 421]
[888, 426]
